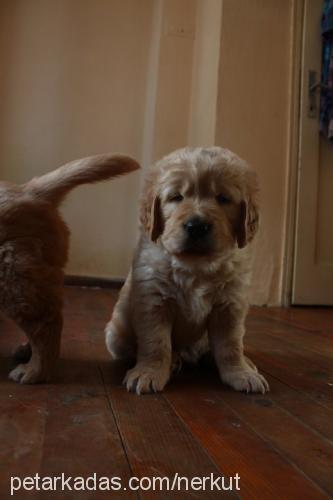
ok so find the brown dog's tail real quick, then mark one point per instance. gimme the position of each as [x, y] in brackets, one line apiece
[54, 186]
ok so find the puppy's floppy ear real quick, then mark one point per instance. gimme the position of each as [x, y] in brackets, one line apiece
[151, 217]
[248, 222]
[156, 219]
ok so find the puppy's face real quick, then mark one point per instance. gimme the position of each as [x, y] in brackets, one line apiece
[201, 203]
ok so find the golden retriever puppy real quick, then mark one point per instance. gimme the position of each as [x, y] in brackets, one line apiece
[33, 253]
[190, 274]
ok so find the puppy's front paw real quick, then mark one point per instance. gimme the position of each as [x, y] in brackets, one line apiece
[25, 374]
[144, 379]
[245, 379]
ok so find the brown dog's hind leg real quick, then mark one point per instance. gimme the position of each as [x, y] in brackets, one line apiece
[44, 341]
[32, 297]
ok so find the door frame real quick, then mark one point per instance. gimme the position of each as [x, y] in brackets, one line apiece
[293, 159]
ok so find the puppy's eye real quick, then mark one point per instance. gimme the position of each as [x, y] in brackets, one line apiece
[222, 199]
[177, 197]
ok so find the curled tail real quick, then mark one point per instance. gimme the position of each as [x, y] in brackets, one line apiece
[54, 186]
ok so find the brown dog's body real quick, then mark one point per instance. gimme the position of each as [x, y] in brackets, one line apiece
[187, 289]
[33, 252]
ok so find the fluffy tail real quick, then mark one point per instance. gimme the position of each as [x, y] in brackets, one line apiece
[54, 186]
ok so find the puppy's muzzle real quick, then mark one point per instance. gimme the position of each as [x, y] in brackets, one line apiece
[197, 229]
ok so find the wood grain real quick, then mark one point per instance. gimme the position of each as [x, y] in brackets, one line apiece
[279, 443]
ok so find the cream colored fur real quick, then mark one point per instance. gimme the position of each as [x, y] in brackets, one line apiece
[179, 300]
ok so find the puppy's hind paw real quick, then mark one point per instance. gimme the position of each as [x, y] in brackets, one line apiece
[146, 379]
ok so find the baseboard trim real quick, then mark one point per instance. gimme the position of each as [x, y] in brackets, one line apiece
[93, 281]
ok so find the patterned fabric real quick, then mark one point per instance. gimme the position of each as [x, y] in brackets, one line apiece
[326, 94]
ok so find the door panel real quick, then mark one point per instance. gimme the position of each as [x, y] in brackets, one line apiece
[313, 265]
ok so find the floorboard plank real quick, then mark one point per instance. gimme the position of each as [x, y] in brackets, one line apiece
[298, 443]
[314, 415]
[63, 427]
[315, 341]
[81, 436]
[23, 411]
[22, 423]
[316, 362]
[280, 443]
[289, 371]
[156, 440]
[317, 319]
[200, 400]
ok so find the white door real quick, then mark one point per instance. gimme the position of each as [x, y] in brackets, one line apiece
[313, 264]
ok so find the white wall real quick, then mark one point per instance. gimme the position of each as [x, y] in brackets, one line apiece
[146, 77]
[205, 73]
[253, 114]
[73, 80]
[173, 69]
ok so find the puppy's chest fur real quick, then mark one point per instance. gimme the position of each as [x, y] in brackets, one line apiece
[192, 293]
[193, 298]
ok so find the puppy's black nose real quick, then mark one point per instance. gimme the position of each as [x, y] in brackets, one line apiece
[197, 228]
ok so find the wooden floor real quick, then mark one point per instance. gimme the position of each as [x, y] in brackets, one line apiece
[85, 422]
